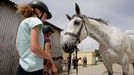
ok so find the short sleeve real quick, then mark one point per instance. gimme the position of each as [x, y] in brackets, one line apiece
[35, 22]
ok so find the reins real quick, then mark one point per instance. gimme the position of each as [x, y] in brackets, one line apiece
[77, 62]
[69, 62]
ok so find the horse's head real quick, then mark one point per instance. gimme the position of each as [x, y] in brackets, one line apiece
[75, 33]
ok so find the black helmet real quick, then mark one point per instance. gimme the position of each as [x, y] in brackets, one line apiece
[42, 6]
[47, 29]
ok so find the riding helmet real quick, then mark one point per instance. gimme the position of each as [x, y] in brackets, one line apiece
[47, 29]
[42, 6]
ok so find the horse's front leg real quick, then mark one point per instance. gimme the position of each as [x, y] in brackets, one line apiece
[103, 51]
[108, 67]
[125, 64]
[125, 69]
[133, 67]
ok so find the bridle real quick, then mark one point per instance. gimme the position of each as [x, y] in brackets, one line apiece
[77, 36]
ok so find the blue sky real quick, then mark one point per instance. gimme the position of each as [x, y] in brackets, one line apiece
[119, 13]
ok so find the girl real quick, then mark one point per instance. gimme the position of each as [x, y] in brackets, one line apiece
[30, 40]
[48, 68]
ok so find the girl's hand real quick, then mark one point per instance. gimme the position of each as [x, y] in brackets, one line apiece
[54, 69]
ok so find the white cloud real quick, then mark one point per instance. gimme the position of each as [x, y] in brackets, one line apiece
[88, 44]
[131, 32]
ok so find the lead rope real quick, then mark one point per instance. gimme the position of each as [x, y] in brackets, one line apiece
[69, 64]
[77, 62]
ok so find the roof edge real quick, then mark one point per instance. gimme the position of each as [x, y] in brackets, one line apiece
[52, 25]
[10, 2]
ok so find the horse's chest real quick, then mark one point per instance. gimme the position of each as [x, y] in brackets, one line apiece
[111, 56]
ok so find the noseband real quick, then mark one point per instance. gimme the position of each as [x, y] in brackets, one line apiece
[79, 32]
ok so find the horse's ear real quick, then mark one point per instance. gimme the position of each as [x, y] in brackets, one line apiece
[69, 18]
[77, 9]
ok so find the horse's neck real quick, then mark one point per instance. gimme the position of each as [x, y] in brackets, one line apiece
[95, 38]
[100, 32]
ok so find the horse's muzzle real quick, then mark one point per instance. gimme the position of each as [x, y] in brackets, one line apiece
[68, 48]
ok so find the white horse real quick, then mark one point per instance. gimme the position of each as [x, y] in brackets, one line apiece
[115, 46]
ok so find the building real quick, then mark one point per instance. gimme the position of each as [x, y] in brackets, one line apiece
[9, 23]
[90, 57]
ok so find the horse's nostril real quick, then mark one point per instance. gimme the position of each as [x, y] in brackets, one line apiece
[68, 47]
[64, 47]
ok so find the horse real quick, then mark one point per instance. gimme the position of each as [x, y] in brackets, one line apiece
[115, 46]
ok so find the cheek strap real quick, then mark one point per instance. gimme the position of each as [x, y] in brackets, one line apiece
[38, 15]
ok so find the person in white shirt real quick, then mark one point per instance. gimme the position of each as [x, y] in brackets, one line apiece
[30, 39]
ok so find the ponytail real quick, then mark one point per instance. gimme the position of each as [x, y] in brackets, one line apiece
[25, 10]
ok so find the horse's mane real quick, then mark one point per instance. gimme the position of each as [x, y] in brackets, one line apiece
[99, 20]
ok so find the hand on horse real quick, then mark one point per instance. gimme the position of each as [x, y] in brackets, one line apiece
[47, 68]
[54, 69]
[51, 67]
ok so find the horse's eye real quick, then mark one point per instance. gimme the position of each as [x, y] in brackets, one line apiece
[76, 22]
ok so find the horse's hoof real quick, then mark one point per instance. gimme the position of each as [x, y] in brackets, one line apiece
[124, 73]
[109, 73]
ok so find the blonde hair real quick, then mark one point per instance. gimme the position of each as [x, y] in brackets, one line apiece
[25, 10]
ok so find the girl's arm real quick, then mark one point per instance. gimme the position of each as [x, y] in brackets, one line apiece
[35, 45]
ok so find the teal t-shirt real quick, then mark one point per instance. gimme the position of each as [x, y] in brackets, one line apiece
[28, 60]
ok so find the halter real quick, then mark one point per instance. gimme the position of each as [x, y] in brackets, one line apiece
[79, 32]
